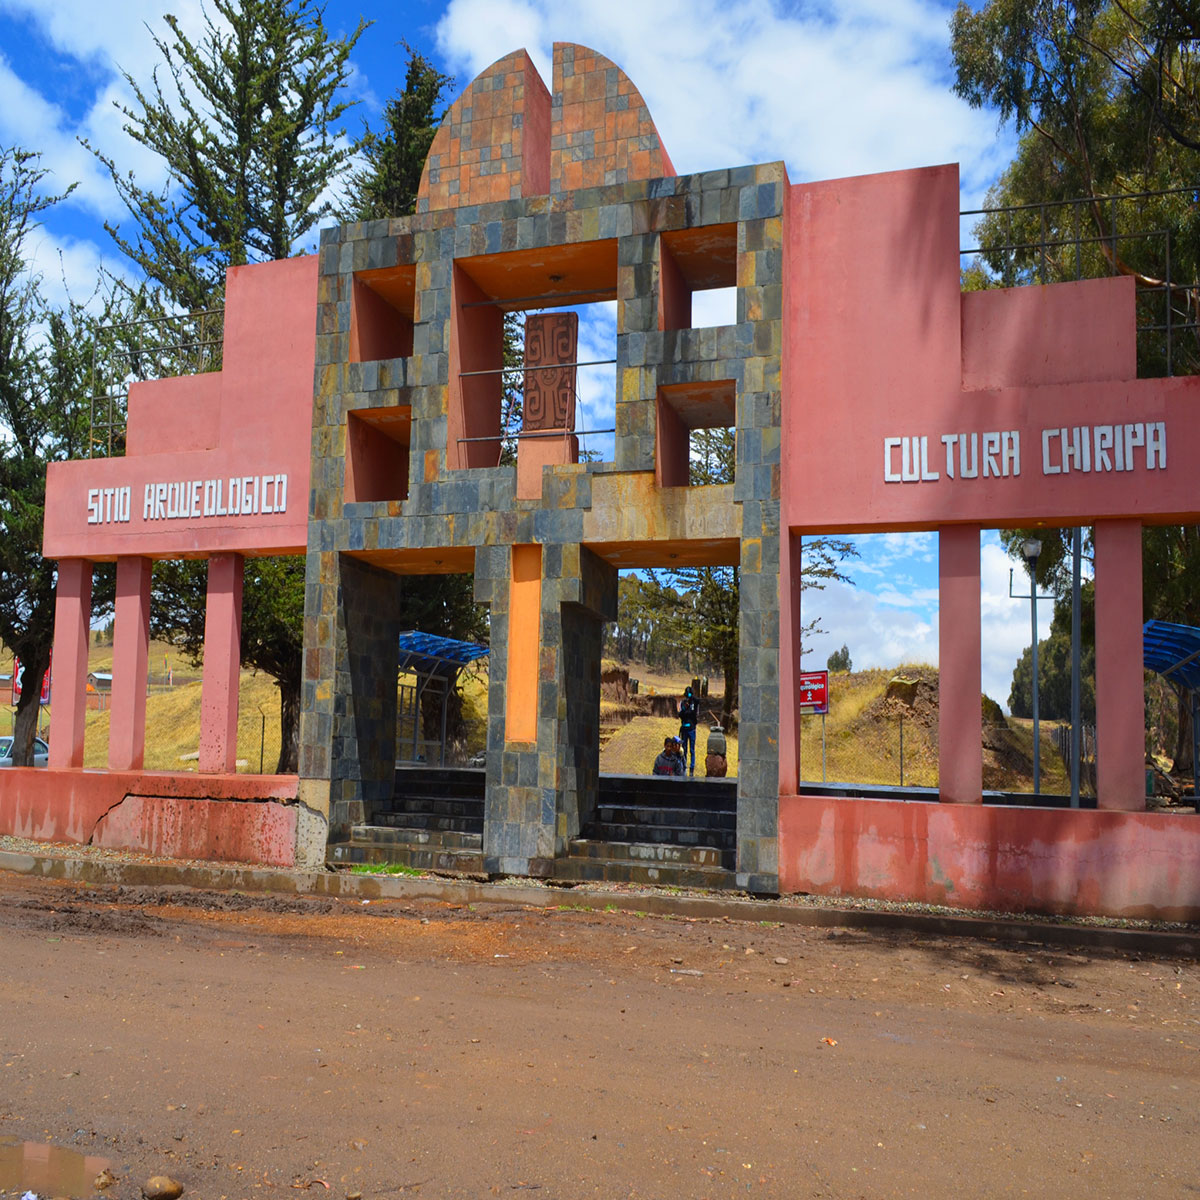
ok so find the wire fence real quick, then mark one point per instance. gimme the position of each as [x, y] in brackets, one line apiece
[893, 750]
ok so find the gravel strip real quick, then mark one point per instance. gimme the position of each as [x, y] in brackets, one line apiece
[71, 850]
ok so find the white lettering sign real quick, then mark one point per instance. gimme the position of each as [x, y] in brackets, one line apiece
[996, 454]
[192, 499]
[107, 506]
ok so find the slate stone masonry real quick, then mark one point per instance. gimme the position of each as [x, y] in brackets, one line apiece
[536, 797]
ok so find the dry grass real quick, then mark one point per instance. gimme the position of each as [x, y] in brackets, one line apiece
[633, 748]
[173, 727]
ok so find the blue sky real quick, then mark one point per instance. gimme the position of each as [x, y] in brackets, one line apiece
[831, 88]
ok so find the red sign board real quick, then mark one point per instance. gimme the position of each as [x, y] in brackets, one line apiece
[18, 672]
[814, 690]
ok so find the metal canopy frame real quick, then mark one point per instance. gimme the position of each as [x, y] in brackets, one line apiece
[1173, 651]
[436, 662]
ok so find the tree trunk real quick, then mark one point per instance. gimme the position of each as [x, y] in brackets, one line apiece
[731, 694]
[25, 722]
[1183, 740]
[289, 727]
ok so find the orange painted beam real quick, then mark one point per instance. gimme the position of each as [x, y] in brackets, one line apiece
[524, 644]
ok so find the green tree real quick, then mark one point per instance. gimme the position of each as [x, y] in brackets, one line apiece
[708, 599]
[45, 357]
[247, 123]
[839, 660]
[1054, 667]
[386, 185]
[1105, 95]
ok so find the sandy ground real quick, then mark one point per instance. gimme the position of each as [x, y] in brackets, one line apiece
[257, 1046]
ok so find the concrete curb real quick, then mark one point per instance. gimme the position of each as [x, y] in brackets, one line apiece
[1157, 943]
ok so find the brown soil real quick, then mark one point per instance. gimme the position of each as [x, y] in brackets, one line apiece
[267, 1046]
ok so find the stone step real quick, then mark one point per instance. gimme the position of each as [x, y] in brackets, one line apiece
[408, 790]
[656, 853]
[432, 806]
[616, 870]
[389, 835]
[688, 792]
[682, 818]
[659, 835]
[420, 858]
[428, 821]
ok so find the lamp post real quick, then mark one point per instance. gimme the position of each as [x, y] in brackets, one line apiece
[1030, 549]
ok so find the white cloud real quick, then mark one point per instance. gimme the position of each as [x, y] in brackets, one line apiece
[70, 267]
[889, 625]
[835, 90]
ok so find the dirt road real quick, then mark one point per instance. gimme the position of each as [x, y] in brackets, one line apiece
[254, 1046]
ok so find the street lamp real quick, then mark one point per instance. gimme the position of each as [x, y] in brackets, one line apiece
[1030, 549]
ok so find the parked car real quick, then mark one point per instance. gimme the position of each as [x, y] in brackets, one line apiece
[41, 752]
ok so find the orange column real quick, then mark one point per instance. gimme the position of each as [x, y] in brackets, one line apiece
[72, 619]
[131, 657]
[960, 650]
[524, 644]
[1120, 690]
[222, 661]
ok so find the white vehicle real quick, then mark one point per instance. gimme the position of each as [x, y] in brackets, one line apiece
[41, 752]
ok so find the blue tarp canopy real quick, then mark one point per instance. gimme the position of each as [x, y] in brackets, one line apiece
[1173, 651]
[429, 654]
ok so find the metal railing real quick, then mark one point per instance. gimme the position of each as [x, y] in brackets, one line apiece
[1089, 237]
[135, 351]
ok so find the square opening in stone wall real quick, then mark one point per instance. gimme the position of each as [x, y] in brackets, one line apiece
[698, 277]
[377, 445]
[382, 307]
[695, 441]
[533, 350]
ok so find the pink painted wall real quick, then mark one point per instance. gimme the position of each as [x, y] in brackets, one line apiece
[871, 404]
[960, 647]
[69, 806]
[936, 362]
[213, 830]
[476, 344]
[1005, 859]
[166, 416]
[253, 419]
[377, 330]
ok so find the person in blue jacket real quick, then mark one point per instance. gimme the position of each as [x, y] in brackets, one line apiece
[689, 713]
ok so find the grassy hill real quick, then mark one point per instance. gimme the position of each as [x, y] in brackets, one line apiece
[861, 741]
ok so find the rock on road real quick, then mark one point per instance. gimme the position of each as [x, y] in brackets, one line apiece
[256, 1046]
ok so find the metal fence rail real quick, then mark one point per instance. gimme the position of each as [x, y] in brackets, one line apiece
[1089, 237]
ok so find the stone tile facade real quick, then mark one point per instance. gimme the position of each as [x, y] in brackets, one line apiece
[588, 515]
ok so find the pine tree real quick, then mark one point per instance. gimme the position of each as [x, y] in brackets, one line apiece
[246, 121]
[387, 185]
[45, 359]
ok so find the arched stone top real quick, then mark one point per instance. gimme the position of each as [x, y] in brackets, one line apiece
[506, 138]
[600, 128]
[494, 143]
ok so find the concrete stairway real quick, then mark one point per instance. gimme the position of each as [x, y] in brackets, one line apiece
[667, 832]
[434, 822]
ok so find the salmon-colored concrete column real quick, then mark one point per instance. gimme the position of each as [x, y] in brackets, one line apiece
[131, 657]
[72, 620]
[960, 647]
[1120, 689]
[222, 661]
